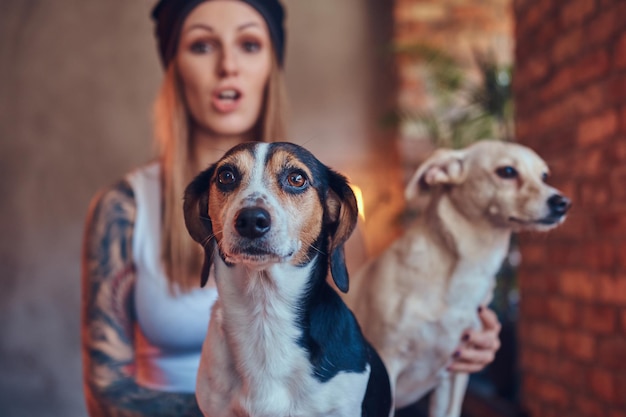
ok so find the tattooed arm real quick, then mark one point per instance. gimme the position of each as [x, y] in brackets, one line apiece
[108, 279]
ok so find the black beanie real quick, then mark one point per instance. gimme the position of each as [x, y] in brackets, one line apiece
[169, 16]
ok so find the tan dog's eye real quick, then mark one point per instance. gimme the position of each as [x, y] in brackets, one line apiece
[544, 177]
[296, 179]
[506, 172]
[226, 177]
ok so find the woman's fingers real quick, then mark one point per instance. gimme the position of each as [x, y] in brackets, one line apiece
[489, 319]
[478, 346]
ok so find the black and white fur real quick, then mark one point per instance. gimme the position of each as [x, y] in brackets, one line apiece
[281, 342]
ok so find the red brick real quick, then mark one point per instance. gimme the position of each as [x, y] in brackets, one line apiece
[599, 255]
[575, 11]
[533, 306]
[589, 163]
[534, 70]
[577, 284]
[535, 361]
[569, 371]
[531, 280]
[557, 85]
[563, 254]
[591, 66]
[544, 336]
[560, 311]
[546, 34]
[567, 45]
[611, 353]
[612, 289]
[596, 129]
[602, 384]
[619, 54]
[586, 101]
[579, 345]
[620, 383]
[617, 90]
[536, 254]
[616, 151]
[618, 188]
[598, 318]
[611, 223]
[589, 407]
[601, 28]
[552, 393]
[594, 194]
[534, 15]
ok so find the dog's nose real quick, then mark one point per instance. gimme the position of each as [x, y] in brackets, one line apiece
[559, 204]
[253, 222]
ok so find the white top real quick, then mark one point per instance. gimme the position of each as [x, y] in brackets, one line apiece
[171, 327]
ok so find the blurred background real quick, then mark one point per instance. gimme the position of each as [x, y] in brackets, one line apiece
[374, 86]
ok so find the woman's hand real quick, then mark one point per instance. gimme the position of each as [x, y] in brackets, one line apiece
[478, 346]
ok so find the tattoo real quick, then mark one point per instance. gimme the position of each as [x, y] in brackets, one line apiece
[107, 316]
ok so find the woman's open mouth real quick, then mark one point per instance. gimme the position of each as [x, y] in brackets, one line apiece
[226, 100]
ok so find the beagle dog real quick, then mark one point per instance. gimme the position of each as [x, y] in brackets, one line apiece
[273, 220]
[415, 300]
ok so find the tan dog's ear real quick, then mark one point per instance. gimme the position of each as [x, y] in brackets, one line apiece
[197, 220]
[340, 217]
[443, 167]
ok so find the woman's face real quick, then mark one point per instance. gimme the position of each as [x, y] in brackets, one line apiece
[224, 59]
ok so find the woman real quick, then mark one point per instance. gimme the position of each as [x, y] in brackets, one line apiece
[144, 317]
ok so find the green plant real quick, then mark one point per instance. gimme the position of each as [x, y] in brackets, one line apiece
[464, 104]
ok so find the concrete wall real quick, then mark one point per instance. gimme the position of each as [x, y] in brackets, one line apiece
[77, 80]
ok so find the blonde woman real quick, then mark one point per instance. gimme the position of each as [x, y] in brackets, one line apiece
[144, 316]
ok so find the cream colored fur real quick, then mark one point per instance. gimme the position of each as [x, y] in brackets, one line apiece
[415, 300]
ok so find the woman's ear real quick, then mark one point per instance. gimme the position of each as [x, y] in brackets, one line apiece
[340, 218]
[443, 167]
[197, 220]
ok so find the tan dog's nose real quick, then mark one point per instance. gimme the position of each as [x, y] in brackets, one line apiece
[559, 205]
[253, 222]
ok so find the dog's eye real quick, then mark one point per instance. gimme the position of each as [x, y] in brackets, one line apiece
[506, 172]
[226, 177]
[544, 177]
[296, 179]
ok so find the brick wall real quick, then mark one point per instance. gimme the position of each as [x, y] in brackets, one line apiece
[570, 95]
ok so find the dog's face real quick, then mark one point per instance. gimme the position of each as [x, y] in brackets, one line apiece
[269, 203]
[502, 182]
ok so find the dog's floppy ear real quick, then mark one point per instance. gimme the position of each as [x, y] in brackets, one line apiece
[443, 167]
[197, 220]
[341, 215]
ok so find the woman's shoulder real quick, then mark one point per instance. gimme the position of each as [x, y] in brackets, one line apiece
[120, 196]
[112, 204]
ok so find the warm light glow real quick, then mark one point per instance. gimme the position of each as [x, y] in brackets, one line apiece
[359, 200]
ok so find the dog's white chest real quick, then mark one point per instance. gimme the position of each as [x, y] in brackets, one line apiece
[252, 362]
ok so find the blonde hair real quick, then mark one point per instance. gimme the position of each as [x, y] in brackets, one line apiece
[182, 257]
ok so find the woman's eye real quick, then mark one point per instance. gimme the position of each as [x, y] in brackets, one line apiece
[201, 47]
[506, 172]
[251, 46]
[296, 179]
[226, 177]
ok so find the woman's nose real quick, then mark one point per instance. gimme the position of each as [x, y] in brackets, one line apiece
[228, 63]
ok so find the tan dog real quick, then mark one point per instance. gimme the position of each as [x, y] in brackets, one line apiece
[415, 300]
